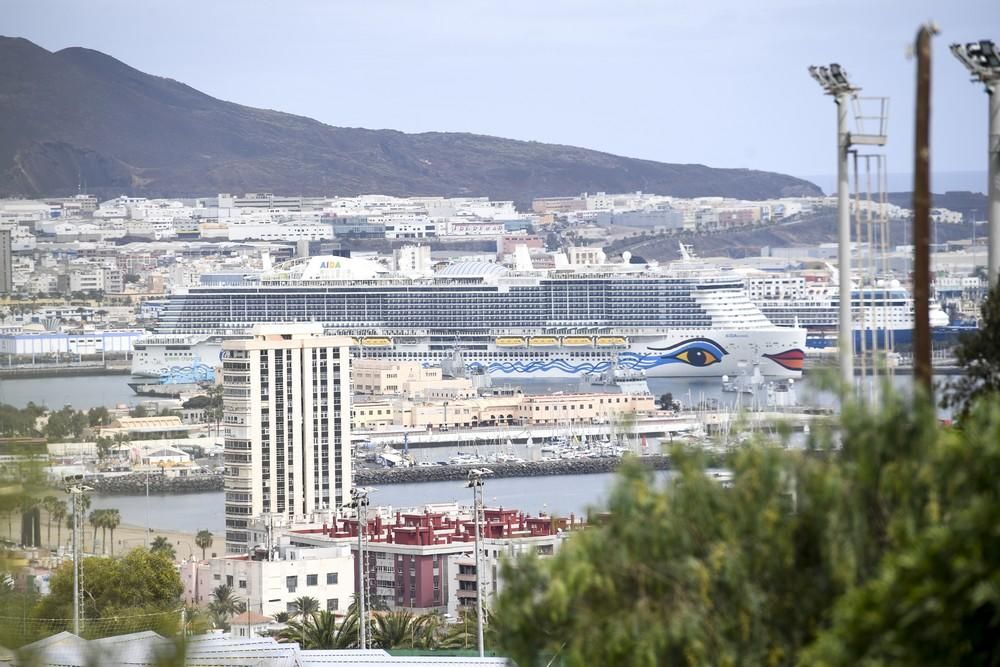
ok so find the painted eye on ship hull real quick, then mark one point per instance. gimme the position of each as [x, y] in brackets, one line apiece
[698, 352]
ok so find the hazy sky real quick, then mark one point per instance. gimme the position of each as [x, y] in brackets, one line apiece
[719, 82]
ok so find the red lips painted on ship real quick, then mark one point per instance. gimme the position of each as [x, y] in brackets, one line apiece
[793, 360]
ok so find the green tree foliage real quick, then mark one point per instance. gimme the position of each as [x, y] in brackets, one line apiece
[979, 356]
[16, 422]
[162, 545]
[200, 402]
[65, 424]
[817, 557]
[138, 591]
[98, 417]
[104, 446]
[935, 599]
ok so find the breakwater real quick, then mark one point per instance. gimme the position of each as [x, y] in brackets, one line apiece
[536, 469]
[67, 370]
[135, 484]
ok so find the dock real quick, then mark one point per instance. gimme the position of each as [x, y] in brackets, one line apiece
[72, 369]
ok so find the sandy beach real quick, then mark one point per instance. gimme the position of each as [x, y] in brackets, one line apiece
[125, 537]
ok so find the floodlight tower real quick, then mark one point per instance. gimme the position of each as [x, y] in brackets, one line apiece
[476, 484]
[834, 81]
[75, 488]
[359, 501]
[983, 62]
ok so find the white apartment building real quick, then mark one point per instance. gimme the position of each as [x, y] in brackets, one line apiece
[287, 413]
[271, 582]
[413, 259]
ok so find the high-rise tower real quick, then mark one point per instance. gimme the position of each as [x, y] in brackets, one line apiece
[287, 425]
[6, 263]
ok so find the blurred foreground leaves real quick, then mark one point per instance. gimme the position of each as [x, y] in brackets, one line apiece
[883, 551]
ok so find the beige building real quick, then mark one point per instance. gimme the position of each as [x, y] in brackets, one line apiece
[496, 410]
[286, 413]
[408, 379]
[584, 408]
[373, 414]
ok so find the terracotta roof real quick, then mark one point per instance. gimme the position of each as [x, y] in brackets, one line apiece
[250, 618]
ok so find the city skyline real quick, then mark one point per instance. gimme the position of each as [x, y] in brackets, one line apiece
[637, 80]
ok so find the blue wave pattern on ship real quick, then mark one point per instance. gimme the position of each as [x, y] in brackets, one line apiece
[694, 352]
[187, 374]
[543, 366]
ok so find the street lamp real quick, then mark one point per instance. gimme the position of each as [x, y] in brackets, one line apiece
[983, 62]
[833, 80]
[476, 483]
[359, 501]
[75, 488]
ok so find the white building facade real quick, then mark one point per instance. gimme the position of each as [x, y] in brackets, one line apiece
[270, 584]
[287, 426]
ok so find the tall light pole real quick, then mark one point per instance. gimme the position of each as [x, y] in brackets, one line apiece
[833, 80]
[359, 501]
[75, 489]
[983, 62]
[476, 482]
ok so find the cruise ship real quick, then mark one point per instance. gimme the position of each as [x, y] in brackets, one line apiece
[881, 313]
[686, 319]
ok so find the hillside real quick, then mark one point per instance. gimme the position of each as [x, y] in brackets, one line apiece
[740, 243]
[79, 116]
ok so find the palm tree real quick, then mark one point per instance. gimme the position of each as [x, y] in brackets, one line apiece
[112, 519]
[401, 629]
[321, 631]
[162, 545]
[120, 439]
[203, 540]
[10, 509]
[462, 634]
[58, 512]
[94, 519]
[82, 505]
[27, 505]
[224, 604]
[102, 521]
[48, 504]
[305, 607]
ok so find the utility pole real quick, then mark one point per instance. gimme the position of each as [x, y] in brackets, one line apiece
[983, 62]
[476, 482]
[921, 214]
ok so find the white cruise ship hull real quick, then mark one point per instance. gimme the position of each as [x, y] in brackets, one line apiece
[779, 352]
[690, 353]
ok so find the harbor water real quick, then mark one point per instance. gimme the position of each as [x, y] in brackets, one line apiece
[557, 494]
[561, 495]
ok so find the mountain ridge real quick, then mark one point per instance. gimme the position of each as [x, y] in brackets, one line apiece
[78, 116]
